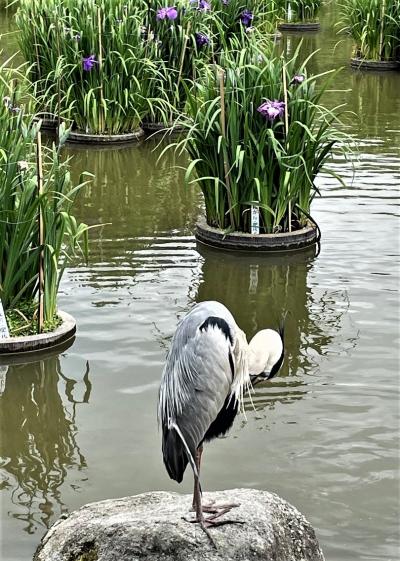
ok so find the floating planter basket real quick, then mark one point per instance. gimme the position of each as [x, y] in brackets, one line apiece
[300, 26]
[49, 121]
[374, 65]
[257, 168]
[85, 138]
[34, 343]
[151, 128]
[240, 241]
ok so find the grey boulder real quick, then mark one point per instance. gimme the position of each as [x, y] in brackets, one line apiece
[151, 527]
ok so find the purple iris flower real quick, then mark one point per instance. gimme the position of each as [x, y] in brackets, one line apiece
[225, 2]
[204, 6]
[298, 79]
[272, 109]
[170, 13]
[201, 5]
[246, 17]
[88, 62]
[202, 39]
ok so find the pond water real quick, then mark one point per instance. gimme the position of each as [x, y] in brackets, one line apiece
[81, 426]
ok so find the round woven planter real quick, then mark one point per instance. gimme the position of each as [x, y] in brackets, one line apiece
[239, 241]
[151, 128]
[84, 138]
[380, 65]
[49, 122]
[305, 26]
[34, 343]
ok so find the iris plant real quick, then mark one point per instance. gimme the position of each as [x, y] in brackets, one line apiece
[170, 13]
[257, 162]
[201, 5]
[202, 39]
[272, 109]
[20, 205]
[246, 17]
[89, 62]
[297, 79]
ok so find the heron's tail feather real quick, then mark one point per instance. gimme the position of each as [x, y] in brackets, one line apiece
[176, 453]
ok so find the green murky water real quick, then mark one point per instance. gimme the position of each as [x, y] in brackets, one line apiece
[81, 426]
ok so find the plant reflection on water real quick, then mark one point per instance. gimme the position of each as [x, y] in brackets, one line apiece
[273, 285]
[38, 445]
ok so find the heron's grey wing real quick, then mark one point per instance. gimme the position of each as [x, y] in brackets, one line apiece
[196, 381]
[212, 375]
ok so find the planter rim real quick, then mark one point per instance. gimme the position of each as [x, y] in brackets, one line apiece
[43, 341]
[367, 64]
[49, 122]
[161, 127]
[85, 138]
[242, 241]
[299, 26]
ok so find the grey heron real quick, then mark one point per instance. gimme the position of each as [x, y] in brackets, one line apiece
[208, 369]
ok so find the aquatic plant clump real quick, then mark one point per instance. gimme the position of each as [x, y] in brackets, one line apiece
[21, 205]
[232, 18]
[95, 63]
[182, 40]
[255, 143]
[298, 11]
[374, 26]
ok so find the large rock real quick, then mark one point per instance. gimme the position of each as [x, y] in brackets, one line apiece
[150, 527]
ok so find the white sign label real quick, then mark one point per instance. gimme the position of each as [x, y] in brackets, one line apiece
[255, 220]
[3, 375]
[4, 334]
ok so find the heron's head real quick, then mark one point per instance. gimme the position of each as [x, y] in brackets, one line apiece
[266, 351]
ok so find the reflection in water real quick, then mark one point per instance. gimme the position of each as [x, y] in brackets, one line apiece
[368, 94]
[134, 190]
[38, 437]
[147, 211]
[308, 44]
[8, 35]
[259, 290]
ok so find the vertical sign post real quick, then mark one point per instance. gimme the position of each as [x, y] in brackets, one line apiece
[4, 333]
[41, 230]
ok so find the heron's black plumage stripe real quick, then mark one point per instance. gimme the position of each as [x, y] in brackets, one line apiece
[275, 369]
[214, 321]
[174, 454]
[224, 419]
[231, 364]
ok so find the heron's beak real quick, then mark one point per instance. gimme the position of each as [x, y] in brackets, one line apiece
[256, 379]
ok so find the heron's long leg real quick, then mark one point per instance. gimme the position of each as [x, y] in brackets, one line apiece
[216, 510]
[197, 497]
[197, 487]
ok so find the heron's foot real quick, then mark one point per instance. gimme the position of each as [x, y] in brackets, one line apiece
[218, 509]
[213, 520]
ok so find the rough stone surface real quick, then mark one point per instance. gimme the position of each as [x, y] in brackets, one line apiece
[150, 527]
